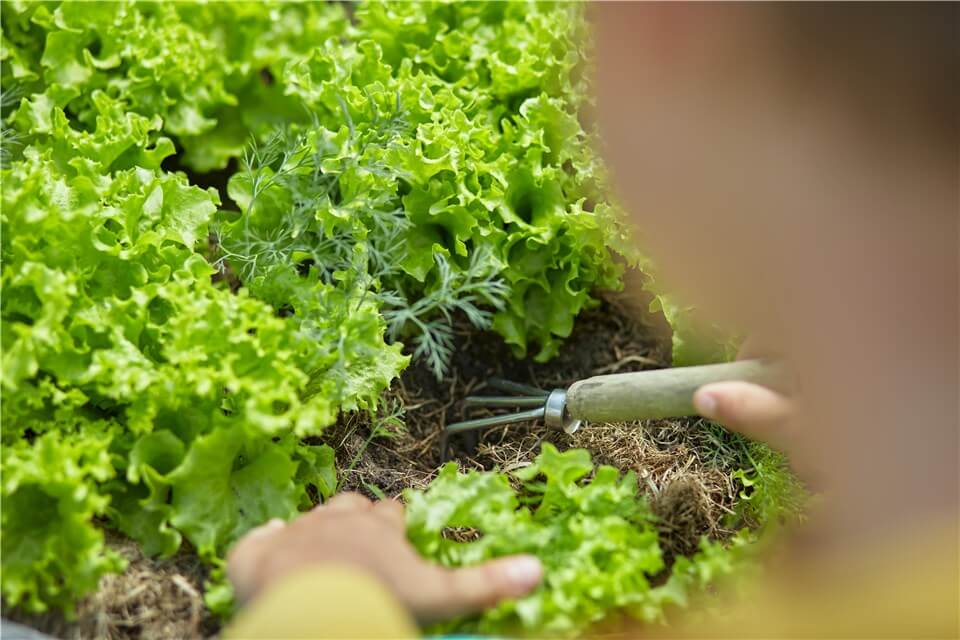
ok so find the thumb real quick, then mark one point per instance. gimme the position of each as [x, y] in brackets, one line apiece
[749, 408]
[471, 589]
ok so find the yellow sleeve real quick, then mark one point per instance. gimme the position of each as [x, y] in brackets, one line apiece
[323, 603]
[906, 588]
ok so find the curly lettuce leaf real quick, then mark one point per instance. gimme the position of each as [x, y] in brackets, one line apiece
[52, 552]
[595, 539]
[211, 90]
[593, 533]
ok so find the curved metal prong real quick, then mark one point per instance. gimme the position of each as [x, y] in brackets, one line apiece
[516, 387]
[493, 421]
[503, 401]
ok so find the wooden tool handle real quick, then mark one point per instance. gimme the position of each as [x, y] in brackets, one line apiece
[662, 393]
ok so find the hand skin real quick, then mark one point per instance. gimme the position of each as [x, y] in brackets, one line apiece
[352, 531]
[751, 409]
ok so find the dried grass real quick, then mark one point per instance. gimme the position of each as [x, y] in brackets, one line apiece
[154, 599]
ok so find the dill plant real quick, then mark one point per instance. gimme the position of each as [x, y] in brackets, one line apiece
[433, 182]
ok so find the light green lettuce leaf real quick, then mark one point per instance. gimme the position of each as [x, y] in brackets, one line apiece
[52, 551]
[208, 70]
[694, 340]
[227, 485]
[595, 539]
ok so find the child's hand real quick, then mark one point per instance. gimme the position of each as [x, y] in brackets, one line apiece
[751, 409]
[352, 531]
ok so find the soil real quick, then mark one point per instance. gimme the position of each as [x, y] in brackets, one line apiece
[154, 599]
[682, 468]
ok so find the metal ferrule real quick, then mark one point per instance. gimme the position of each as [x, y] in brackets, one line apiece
[555, 414]
[551, 406]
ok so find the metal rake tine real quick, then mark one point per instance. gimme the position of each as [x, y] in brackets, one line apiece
[503, 401]
[480, 423]
[444, 446]
[516, 387]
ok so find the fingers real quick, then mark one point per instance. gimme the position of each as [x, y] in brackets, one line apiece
[343, 504]
[346, 502]
[244, 558]
[749, 408]
[255, 538]
[270, 526]
[391, 511]
[458, 592]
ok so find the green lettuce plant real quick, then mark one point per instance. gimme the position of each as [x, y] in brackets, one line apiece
[595, 536]
[207, 70]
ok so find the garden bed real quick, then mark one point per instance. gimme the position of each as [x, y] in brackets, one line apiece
[260, 222]
[684, 467]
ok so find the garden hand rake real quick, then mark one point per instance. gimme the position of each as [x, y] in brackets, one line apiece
[619, 397]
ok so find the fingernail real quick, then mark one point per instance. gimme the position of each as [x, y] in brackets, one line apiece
[524, 572]
[705, 404]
